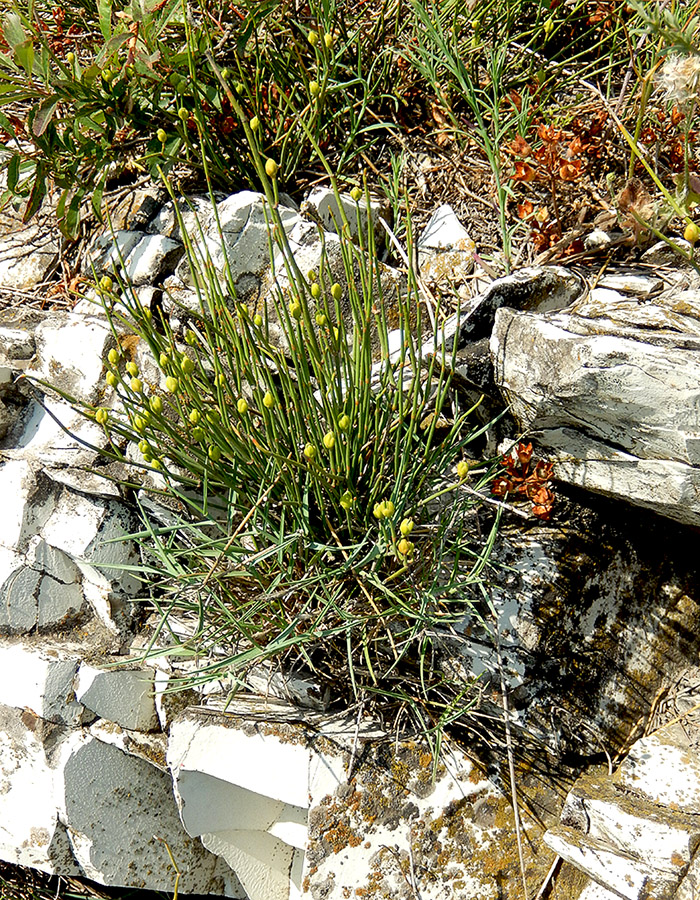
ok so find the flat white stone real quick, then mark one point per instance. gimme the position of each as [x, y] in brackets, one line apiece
[666, 486]
[70, 354]
[16, 343]
[631, 283]
[152, 258]
[41, 681]
[120, 813]
[659, 770]
[27, 503]
[51, 561]
[262, 764]
[629, 878]
[244, 240]
[109, 250]
[444, 231]
[123, 697]
[595, 891]
[19, 591]
[324, 205]
[92, 531]
[44, 442]
[661, 838]
[58, 604]
[267, 868]
[30, 832]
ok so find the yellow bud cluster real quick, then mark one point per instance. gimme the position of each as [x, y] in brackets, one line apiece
[405, 548]
[384, 509]
[462, 470]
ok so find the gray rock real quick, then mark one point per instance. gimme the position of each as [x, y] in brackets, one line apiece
[31, 833]
[610, 386]
[109, 250]
[70, 354]
[28, 253]
[120, 814]
[446, 252]
[244, 239]
[321, 205]
[152, 259]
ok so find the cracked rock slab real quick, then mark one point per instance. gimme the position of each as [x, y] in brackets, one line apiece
[612, 387]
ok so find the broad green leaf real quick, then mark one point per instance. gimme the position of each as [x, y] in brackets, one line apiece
[111, 46]
[12, 30]
[6, 125]
[104, 14]
[44, 115]
[71, 222]
[37, 195]
[24, 53]
[61, 205]
[13, 172]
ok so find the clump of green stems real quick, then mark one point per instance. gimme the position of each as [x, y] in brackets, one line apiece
[321, 477]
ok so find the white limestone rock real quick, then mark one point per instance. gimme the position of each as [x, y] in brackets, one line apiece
[663, 837]
[627, 877]
[40, 680]
[39, 588]
[30, 831]
[28, 252]
[152, 258]
[70, 353]
[322, 206]
[150, 746]
[244, 239]
[40, 436]
[15, 344]
[446, 251]
[663, 772]
[28, 501]
[595, 891]
[120, 814]
[665, 486]
[616, 383]
[123, 697]
[194, 211]
[109, 250]
[92, 532]
[246, 794]
[631, 283]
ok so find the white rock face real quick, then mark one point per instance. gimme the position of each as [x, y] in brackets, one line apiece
[123, 697]
[244, 239]
[109, 800]
[91, 531]
[30, 831]
[324, 207]
[446, 252]
[40, 680]
[637, 833]
[661, 771]
[70, 354]
[27, 252]
[612, 387]
[247, 796]
[153, 257]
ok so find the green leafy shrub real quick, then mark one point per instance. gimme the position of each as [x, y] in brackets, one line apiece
[92, 95]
